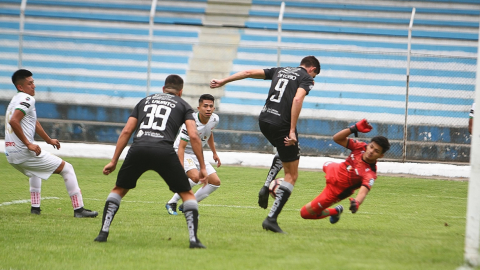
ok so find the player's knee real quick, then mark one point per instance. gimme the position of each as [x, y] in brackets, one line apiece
[305, 214]
[214, 180]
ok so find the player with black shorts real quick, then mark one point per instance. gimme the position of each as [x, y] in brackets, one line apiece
[156, 120]
[278, 121]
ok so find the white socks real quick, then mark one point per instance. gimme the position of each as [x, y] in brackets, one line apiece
[176, 197]
[35, 188]
[71, 183]
[203, 192]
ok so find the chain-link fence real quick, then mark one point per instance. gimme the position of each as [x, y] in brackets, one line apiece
[86, 86]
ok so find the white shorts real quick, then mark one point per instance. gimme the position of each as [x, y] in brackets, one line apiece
[41, 166]
[191, 162]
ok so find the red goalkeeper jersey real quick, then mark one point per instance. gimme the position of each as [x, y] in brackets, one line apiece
[353, 173]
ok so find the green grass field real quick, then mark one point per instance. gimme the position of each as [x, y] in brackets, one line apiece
[405, 223]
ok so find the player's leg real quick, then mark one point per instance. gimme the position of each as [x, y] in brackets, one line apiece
[318, 207]
[170, 169]
[135, 164]
[71, 183]
[35, 190]
[213, 183]
[190, 210]
[282, 195]
[112, 204]
[193, 177]
[171, 205]
[272, 173]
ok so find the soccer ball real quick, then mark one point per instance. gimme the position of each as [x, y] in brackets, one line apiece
[274, 184]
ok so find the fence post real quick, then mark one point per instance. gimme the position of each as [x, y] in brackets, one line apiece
[150, 45]
[279, 38]
[405, 134]
[23, 6]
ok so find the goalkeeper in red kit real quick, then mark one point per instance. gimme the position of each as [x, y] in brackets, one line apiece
[358, 171]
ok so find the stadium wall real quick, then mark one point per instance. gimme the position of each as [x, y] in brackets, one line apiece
[236, 132]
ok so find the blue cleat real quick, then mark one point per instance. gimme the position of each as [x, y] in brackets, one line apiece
[180, 208]
[171, 208]
[335, 218]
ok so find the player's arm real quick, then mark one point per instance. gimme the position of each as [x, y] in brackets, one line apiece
[211, 144]
[41, 132]
[121, 144]
[295, 113]
[181, 151]
[355, 203]
[17, 129]
[196, 144]
[341, 137]
[470, 125]
[251, 73]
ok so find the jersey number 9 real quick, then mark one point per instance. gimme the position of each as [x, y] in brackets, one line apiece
[280, 87]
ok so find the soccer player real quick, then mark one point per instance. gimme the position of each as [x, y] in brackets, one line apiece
[358, 171]
[278, 123]
[23, 154]
[470, 119]
[206, 121]
[156, 120]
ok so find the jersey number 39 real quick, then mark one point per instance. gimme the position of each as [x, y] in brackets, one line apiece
[157, 113]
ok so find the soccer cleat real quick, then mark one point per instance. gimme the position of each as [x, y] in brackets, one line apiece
[180, 208]
[82, 212]
[335, 218]
[263, 197]
[35, 210]
[197, 244]
[271, 224]
[102, 237]
[171, 208]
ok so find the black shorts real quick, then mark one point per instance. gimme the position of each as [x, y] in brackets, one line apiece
[276, 136]
[163, 160]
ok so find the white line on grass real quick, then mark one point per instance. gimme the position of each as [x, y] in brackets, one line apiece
[207, 205]
[27, 201]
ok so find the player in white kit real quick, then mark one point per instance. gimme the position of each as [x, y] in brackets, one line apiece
[27, 157]
[206, 121]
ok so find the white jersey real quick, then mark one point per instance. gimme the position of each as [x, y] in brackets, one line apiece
[204, 132]
[472, 110]
[15, 150]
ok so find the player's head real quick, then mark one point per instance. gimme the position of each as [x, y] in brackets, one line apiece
[23, 81]
[205, 97]
[173, 85]
[376, 149]
[206, 105]
[311, 64]
[382, 142]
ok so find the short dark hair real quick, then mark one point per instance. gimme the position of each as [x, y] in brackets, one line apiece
[311, 61]
[383, 142]
[19, 75]
[174, 82]
[206, 97]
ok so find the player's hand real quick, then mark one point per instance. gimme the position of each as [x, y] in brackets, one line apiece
[214, 83]
[203, 177]
[55, 143]
[362, 126]
[217, 160]
[291, 139]
[109, 168]
[353, 205]
[35, 148]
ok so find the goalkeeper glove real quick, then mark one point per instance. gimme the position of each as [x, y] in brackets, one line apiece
[362, 126]
[353, 205]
